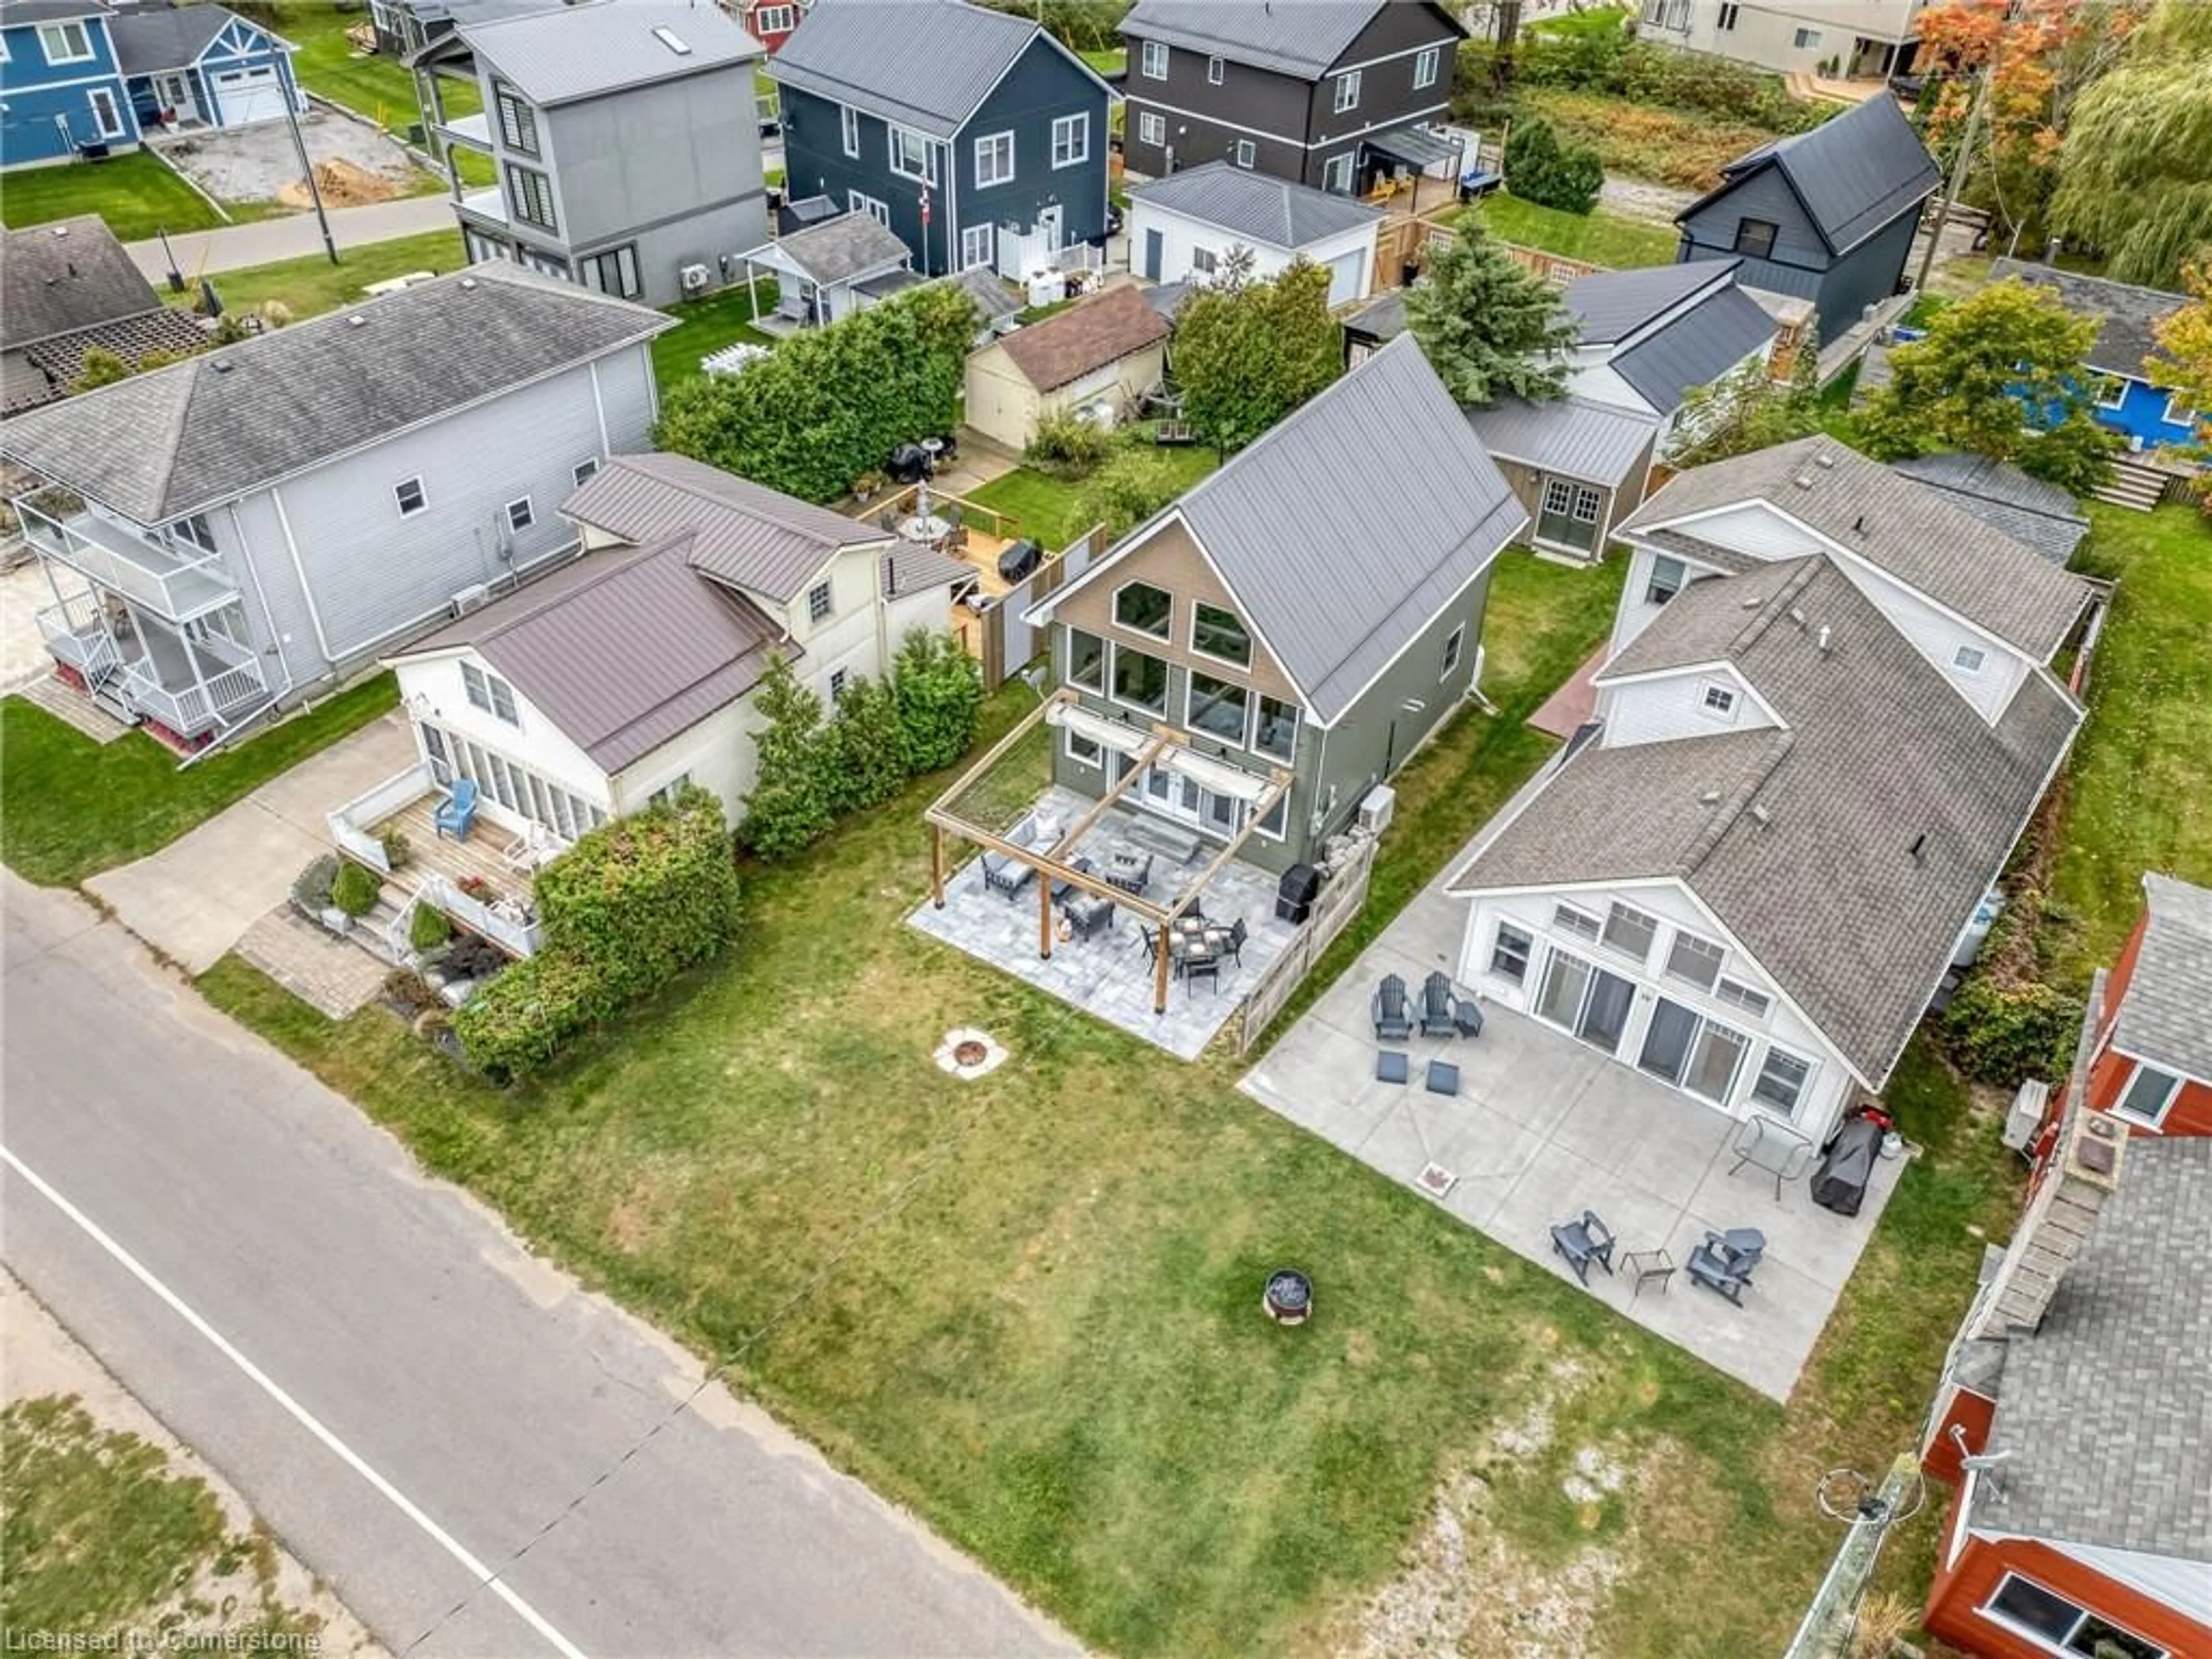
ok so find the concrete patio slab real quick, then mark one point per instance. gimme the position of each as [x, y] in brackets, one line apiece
[1545, 1128]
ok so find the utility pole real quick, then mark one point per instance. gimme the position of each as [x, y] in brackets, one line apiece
[1958, 166]
[307, 167]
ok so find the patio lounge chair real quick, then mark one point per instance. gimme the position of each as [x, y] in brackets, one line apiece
[1583, 1241]
[1439, 1008]
[457, 814]
[1723, 1262]
[1394, 1021]
[1009, 875]
[1087, 914]
[1129, 873]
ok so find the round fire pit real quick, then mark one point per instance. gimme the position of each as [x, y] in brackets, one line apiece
[974, 1052]
[969, 1054]
[1289, 1298]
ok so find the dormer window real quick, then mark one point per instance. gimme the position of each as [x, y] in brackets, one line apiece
[1667, 575]
[1144, 609]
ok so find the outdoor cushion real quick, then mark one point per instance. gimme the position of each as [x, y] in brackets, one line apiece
[1443, 1077]
[1390, 1066]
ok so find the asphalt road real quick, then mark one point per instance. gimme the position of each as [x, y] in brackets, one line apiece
[402, 1393]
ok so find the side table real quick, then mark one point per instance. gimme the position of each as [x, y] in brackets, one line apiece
[1645, 1267]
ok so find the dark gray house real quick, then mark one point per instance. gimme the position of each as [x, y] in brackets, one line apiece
[1326, 93]
[977, 137]
[1827, 216]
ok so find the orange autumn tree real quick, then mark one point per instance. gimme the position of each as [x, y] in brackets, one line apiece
[2183, 363]
[2040, 56]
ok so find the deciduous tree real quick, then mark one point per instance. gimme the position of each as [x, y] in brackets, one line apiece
[1489, 326]
[1246, 355]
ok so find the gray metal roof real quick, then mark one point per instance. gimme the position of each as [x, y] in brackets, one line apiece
[2126, 315]
[742, 533]
[59, 277]
[159, 38]
[161, 445]
[1584, 439]
[1302, 38]
[1337, 574]
[574, 53]
[2032, 512]
[1610, 306]
[2107, 1407]
[1855, 172]
[1821, 884]
[839, 249]
[1256, 207]
[2166, 1013]
[1695, 349]
[621, 650]
[911, 567]
[1382, 319]
[1916, 533]
[926, 64]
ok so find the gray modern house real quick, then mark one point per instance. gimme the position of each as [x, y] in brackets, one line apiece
[974, 135]
[234, 533]
[1327, 93]
[1288, 615]
[1825, 215]
[625, 142]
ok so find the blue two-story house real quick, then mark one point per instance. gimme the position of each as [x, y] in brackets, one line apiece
[1825, 215]
[2125, 397]
[974, 135]
[62, 89]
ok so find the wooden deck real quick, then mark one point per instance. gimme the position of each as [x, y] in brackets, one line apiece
[478, 856]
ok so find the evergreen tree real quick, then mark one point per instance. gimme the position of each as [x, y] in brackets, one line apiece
[789, 806]
[1247, 355]
[1489, 326]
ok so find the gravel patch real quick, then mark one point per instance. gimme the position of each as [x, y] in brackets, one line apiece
[258, 163]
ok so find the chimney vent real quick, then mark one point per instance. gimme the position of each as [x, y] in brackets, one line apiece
[1761, 816]
[1919, 847]
[1822, 639]
[1824, 461]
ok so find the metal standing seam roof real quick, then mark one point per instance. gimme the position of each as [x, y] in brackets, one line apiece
[2032, 512]
[839, 250]
[1256, 207]
[1695, 349]
[742, 533]
[1598, 443]
[1301, 38]
[178, 439]
[1348, 527]
[621, 650]
[1612, 305]
[2105, 1406]
[1086, 337]
[1915, 533]
[1801, 839]
[574, 53]
[2127, 315]
[2166, 1013]
[927, 64]
[1855, 172]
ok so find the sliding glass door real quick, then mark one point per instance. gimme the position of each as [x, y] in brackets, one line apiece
[1579, 997]
[1691, 1052]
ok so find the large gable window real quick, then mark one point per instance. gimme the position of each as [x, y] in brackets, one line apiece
[1215, 632]
[1695, 961]
[1144, 609]
[1217, 707]
[1630, 932]
[1140, 680]
[1086, 660]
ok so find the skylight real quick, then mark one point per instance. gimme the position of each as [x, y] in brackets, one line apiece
[675, 42]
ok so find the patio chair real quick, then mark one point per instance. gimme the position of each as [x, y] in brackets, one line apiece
[1004, 875]
[1129, 873]
[457, 814]
[1088, 915]
[1203, 968]
[1723, 1262]
[1234, 946]
[1583, 1241]
[1771, 1148]
[1392, 1022]
[1439, 1008]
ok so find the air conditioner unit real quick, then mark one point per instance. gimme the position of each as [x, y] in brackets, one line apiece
[474, 597]
[1376, 808]
[694, 278]
[2029, 1106]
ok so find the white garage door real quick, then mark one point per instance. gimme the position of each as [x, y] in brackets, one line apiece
[249, 95]
[1347, 276]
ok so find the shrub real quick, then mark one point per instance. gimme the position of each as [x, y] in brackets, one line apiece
[865, 751]
[398, 852]
[356, 889]
[2005, 1033]
[940, 692]
[1540, 169]
[427, 929]
[409, 992]
[1066, 448]
[310, 888]
[471, 957]
[643, 898]
[519, 1021]
[791, 804]
[1127, 491]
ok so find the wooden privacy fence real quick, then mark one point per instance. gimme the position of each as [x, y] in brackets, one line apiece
[1404, 240]
[1010, 643]
[1339, 901]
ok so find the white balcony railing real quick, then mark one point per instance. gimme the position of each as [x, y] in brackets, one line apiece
[472, 130]
[487, 204]
[508, 923]
[118, 558]
[189, 710]
[89, 647]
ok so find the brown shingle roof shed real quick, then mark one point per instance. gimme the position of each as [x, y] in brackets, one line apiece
[1086, 337]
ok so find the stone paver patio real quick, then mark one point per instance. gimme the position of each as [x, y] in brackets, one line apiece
[1109, 975]
[1544, 1127]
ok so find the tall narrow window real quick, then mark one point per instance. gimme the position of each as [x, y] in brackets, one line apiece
[1348, 91]
[849, 130]
[1155, 60]
[1424, 66]
[994, 160]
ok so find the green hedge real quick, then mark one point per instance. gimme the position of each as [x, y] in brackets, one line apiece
[644, 897]
[2004, 1035]
[520, 1020]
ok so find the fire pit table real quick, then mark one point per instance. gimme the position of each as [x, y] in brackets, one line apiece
[1289, 1298]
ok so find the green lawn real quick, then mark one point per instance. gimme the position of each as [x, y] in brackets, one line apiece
[1044, 508]
[2143, 766]
[307, 286]
[1026, 1305]
[137, 194]
[374, 86]
[70, 807]
[1600, 238]
[1108, 61]
[705, 326]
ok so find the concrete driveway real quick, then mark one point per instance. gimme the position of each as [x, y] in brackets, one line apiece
[195, 898]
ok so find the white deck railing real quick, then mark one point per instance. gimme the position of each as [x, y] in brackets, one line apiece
[511, 926]
[189, 710]
[352, 825]
[89, 648]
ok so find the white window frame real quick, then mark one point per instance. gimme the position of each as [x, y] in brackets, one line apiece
[1426, 62]
[1344, 92]
[1152, 62]
[776, 20]
[1281, 812]
[1199, 651]
[49, 33]
[1562, 911]
[1750, 1095]
[1528, 951]
[1717, 701]
[1073, 744]
[1078, 135]
[1683, 936]
[1765, 1002]
[421, 497]
[1652, 924]
[1114, 679]
[978, 245]
[1651, 593]
[820, 604]
[106, 112]
[2175, 415]
[1336, 174]
[838, 679]
[1806, 39]
[665, 795]
[1105, 663]
[860, 202]
[2126, 1114]
[1216, 70]
[584, 471]
[1970, 659]
[1454, 643]
[1248, 155]
[1152, 128]
[1988, 1610]
[1166, 635]
[2111, 391]
[849, 130]
[528, 514]
[989, 146]
[1259, 725]
[1205, 261]
[895, 139]
[1589, 503]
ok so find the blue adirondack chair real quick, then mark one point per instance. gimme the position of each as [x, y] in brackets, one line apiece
[457, 813]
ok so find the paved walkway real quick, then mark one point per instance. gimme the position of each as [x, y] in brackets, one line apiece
[196, 898]
[335, 978]
[1563, 712]
[234, 248]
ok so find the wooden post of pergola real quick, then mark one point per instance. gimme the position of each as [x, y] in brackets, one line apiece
[937, 865]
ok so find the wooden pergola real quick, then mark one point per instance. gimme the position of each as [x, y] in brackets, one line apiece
[1054, 866]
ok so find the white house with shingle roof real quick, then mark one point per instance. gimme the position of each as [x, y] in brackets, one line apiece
[1748, 875]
